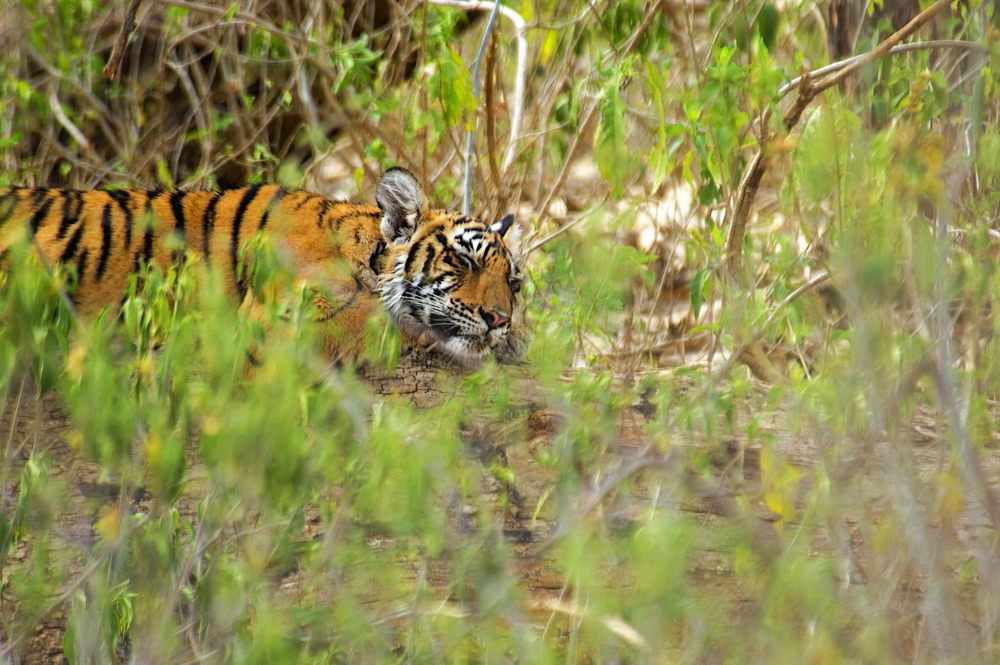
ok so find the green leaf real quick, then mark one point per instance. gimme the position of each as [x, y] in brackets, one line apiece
[767, 24]
[826, 151]
[699, 284]
[614, 160]
[163, 173]
[451, 88]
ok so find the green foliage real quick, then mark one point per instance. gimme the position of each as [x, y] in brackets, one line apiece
[614, 159]
[35, 317]
[451, 88]
[249, 503]
[829, 139]
[574, 308]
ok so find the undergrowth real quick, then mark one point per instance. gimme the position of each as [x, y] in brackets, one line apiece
[776, 445]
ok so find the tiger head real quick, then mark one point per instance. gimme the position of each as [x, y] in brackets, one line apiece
[449, 280]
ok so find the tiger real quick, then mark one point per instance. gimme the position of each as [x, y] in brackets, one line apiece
[448, 281]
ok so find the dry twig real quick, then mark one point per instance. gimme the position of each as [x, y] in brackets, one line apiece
[809, 86]
[520, 28]
[118, 51]
[477, 89]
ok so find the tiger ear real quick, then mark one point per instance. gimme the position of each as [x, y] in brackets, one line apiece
[510, 231]
[402, 202]
[502, 226]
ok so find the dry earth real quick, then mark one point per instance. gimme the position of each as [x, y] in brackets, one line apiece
[32, 427]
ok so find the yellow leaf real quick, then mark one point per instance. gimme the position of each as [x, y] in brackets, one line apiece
[950, 497]
[549, 44]
[74, 440]
[74, 361]
[154, 449]
[109, 524]
[527, 11]
[211, 425]
[931, 154]
[781, 485]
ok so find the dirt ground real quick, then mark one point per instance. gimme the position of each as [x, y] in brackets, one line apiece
[34, 426]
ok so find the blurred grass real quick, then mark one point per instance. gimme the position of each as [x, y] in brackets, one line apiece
[165, 501]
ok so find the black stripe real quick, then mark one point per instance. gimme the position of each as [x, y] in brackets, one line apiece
[272, 204]
[8, 204]
[457, 261]
[306, 199]
[40, 214]
[176, 205]
[102, 262]
[324, 211]
[72, 207]
[148, 222]
[147, 248]
[69, 252]
[375, 260]
[234, 245]
[123, 198]
[81, 267]
[208, 227]
[37, 194]
[411, 256]
[431, 253]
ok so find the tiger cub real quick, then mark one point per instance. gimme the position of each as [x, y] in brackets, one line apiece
[448, 281]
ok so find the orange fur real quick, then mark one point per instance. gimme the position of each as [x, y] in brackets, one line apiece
[357, 254]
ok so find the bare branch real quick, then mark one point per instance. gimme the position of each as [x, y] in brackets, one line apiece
[118, 50]
[808, 89]
[477, 89]
[759, 333]
[66, 123]
[901, 48]
[520, 28]
[752, 355]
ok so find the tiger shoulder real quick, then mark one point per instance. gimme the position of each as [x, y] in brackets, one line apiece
[450, 282]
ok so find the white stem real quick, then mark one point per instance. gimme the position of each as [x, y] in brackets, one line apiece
[477, 89]
[64, 120]
[520, 30]
[899, 48]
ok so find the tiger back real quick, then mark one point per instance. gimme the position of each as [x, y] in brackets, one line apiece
[449, 281]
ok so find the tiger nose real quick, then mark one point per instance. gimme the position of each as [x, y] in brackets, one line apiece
[493, 318]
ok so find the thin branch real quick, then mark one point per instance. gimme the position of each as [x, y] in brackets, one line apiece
[118, 50]
[901, 48]
[252, 19]
[808, 89]
[583, 133]
[580, 136]
[66, 123]
[885, 47]
[759, 333]
[520, 74]
[559, 231]
[477, 89]
[611, 481]
[615, 624]
[196, 109]
[489, 97]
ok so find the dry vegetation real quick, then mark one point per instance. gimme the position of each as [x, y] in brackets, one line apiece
[758, 419]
